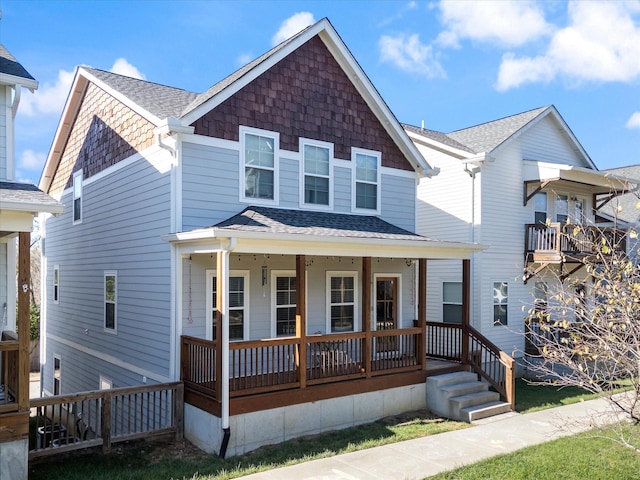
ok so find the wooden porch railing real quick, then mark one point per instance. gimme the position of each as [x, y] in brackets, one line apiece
[467, 345]
[270, 365]
[9, 351]
[578, 240]
[100, 418]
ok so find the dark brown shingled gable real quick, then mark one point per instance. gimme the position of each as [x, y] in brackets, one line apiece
[105, 132]
[306, 94]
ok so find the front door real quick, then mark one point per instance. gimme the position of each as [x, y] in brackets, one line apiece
[386, 311]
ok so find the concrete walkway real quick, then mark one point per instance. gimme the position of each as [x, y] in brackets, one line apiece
[423, 457]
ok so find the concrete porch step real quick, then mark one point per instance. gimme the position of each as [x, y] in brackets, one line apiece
[438, 381]
[457, 389]
[477, 412]
[473, 399]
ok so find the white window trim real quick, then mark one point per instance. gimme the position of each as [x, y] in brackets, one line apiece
[398, 277]
[330, 147]
[114, 330]
[211, 274]
[56, 283]
[493, 304]
[354, 180]
[77, 178]
[546, 211]
[57, 356]
[274, 275]
[356, 298]
[276, 166]
[105, 383]
[443, 303]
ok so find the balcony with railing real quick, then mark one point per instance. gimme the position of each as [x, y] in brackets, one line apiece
[559, 243]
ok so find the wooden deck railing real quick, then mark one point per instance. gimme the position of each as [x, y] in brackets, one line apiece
[270, 365]
[467, 345]
[9, 351]
[493, 365]
[577, 240]
[100, 418]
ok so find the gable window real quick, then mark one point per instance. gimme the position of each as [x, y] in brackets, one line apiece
[500, 302]
[77, 197]
[316, 171]
[452, 302]
[540, 208]
[342, 294]
[110, 300]
[57, 377]
[366, 195]
[259, 159]
[238, 295]
[284, 303]
[56, 284]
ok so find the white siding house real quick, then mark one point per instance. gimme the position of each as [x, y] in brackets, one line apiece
[495, 179]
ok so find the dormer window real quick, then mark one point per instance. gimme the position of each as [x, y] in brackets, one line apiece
[259, 160]
[316, 173]
[366, 175]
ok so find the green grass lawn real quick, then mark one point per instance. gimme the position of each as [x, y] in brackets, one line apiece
[148, 461]
[152, 461]
[531, 398]
[578, 457]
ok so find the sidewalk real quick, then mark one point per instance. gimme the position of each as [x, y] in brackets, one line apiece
[423, 457]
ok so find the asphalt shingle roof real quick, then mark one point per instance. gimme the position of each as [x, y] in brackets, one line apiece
[12, 193]
[10, 66]
[275, 220]
[628, 201]
[438, 137]
[160, 100]
[487, 136]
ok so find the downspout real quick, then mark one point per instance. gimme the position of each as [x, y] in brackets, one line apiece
[224, 271]
[165, 146]
[477, 163]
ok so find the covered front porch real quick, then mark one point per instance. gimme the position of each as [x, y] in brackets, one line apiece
[269, 318]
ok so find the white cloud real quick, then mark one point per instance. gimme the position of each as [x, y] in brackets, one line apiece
[601, 43]
[31, 160]
[122, 67]
[291, 26]
[410, 55]
[49, 98]
[634, 121]
[506, 23]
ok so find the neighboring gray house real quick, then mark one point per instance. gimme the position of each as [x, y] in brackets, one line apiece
[19, 203]
[255, 240]
[499, 183]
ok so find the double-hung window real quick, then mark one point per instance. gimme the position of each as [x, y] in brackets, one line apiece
[366, 175]
[316, 173]
[259, 162]
[500, 303]
[56, 284]
[452, 302]
[562, 208]
[238, 305]
[540, 206]
[110, 301]
[57, 376]
[342, 297]
[77, 197]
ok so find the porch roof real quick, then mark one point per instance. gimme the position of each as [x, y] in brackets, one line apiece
[272, 230]
[600, 182]
[25, 197]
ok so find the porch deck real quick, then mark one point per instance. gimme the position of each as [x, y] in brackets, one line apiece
[271, 373]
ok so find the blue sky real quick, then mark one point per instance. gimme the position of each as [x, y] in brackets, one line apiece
[450, 64]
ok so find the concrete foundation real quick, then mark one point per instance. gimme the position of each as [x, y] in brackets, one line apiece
[14, 460]
[253, 430]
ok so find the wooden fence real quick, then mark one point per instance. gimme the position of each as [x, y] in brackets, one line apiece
[101, 418]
